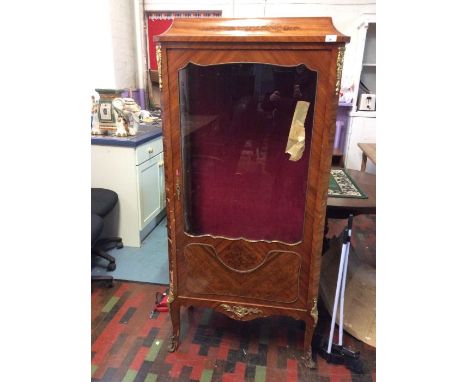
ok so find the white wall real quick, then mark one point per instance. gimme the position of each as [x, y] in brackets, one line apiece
[103, 73]
[344, 11]
[123, 42]
[115, 65]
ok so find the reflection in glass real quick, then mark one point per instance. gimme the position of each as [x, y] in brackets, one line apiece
[235, 122]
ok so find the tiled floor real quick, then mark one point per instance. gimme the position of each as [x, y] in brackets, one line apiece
[149, 263]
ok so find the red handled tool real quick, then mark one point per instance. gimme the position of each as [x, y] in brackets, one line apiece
[160, 304]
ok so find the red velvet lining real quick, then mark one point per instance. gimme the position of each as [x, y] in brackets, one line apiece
[238, 180]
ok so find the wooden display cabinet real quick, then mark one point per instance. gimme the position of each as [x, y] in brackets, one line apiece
[245, 218]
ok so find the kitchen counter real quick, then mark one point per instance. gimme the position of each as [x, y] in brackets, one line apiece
[133, 167]
[144, 134]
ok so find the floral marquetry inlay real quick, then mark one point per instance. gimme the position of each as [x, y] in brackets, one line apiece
[240, 258]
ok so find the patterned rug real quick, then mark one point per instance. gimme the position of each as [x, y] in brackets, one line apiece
[342, 185]
[128, 345]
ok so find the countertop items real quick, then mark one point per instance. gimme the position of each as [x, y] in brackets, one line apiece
[145, 133]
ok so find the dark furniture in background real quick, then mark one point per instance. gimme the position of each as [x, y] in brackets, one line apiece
[97, 224]
[245, 222]
[341, 208]
[103, 202]
[337, 158]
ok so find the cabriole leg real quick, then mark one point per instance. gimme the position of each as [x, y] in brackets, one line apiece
[309, 331]
[174, 309]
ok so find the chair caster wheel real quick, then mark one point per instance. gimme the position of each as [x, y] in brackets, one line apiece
[111, 267]
[119, 245]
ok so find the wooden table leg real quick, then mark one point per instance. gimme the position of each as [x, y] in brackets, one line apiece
[326, 241]
[363, 162]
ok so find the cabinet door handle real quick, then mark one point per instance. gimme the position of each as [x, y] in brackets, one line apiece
[150, 150]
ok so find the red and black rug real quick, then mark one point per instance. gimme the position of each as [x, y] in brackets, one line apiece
[128, 345]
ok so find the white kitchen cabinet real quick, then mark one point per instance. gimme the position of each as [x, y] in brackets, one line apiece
[149, 187]
[136, 174]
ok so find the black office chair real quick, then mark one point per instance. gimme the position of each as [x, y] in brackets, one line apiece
[102, 202]
[97, 224]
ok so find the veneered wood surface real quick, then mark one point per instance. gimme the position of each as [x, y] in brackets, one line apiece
[207, 274]
[238, 272]
[318, 60]
[291, 29]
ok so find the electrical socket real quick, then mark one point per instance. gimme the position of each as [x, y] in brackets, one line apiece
[367, 102]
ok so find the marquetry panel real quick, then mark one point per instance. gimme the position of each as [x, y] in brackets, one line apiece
[275, 279]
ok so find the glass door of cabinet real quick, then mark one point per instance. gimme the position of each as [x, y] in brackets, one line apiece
[246, 131]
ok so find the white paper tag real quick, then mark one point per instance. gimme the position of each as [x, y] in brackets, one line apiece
[330, 38]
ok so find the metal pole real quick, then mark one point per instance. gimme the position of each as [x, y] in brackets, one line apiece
[338, 288]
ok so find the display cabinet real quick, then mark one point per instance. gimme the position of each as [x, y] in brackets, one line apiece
[249, 108]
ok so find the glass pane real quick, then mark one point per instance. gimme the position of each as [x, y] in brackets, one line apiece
[236, 121]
